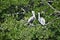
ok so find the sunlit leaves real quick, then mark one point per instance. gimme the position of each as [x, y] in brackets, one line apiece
[11, 29]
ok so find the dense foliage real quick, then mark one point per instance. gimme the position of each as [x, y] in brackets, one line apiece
[13, 26]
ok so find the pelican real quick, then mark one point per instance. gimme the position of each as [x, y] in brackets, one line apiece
[41, 19]
[32, 18]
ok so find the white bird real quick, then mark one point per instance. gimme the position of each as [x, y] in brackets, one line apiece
[32, 18]
[41, 19]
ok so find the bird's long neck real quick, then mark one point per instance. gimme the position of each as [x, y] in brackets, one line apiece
[33, 13]
[38, 15]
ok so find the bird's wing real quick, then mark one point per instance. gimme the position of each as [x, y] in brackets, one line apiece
[30, 19]
[42, 21]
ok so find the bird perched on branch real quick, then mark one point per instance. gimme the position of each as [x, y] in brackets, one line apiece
[50, 2]
[41, 19]
[32, 18]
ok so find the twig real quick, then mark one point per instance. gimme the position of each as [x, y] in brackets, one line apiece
[55, 10]
[52, 21]
[51, 7]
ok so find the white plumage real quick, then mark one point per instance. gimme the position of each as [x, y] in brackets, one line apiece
[41, 19]
[31, 19]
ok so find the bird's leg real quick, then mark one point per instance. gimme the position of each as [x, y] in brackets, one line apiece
[31, 24]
